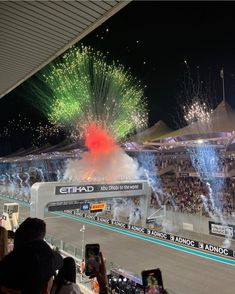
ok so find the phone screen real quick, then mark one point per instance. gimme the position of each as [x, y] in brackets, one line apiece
[152, 281]
[92, 259]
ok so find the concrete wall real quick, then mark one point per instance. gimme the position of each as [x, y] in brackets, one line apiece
[190, 222]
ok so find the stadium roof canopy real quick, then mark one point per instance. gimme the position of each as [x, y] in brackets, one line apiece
[220, 129]
[33, 33]
[159, 129]
[221, 123]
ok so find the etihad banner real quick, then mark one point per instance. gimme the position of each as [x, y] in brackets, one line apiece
[160, 235]
[61, 190]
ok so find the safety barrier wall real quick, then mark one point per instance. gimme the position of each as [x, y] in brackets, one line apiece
[159, 235]
[193, 222]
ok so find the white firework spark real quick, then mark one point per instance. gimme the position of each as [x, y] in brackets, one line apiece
[197, 112]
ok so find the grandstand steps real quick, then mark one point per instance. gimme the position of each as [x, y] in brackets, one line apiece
[165, 170]
[231, 173]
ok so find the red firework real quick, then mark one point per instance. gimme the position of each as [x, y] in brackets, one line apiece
[98, 140]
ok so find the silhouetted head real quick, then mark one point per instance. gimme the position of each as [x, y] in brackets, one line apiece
[31, 229]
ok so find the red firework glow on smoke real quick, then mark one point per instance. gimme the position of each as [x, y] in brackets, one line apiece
[97, 140]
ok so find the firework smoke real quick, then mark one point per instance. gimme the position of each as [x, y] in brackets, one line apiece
[105, 161]
[206, 161]
[148, 170]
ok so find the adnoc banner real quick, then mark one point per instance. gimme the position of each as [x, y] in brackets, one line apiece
[137, 229]
[165, 236]
[216, 249]
[184, 241]
[158, 234]
[118, 224]
[104, 220]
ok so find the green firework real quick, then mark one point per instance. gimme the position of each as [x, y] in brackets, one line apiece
[82, 87]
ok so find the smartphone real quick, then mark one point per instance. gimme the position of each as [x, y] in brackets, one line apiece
[152, 281]
[92, 258]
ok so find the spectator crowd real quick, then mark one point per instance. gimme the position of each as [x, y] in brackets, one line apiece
[184, 194]
[33, 267]
[184, 164]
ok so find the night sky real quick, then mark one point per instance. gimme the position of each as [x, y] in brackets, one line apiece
[153, 39]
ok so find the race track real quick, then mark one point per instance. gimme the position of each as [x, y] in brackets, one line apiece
[183, 273]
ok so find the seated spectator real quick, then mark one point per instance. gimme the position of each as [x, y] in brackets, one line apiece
[82, 267]
[3, 242]
[65, 281]
[29, 230]
[11, 237]
[29, 269]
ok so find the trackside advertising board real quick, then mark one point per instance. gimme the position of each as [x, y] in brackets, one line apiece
[96, 188]
[98, 206]
[222, 230]
[157, 234]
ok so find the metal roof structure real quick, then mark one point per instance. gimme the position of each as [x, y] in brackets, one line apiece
[33, 33]
[220, 124]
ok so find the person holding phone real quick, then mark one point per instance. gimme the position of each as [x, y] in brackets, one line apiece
[101, 276]
[152, 285]
[95, 266]
[152, 282]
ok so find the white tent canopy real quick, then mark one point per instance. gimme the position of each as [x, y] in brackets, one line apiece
[156, 131]
[222, 121]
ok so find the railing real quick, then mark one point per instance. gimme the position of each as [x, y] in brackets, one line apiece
[67, 249]
[71, 250]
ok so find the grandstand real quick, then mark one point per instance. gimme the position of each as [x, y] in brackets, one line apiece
[173, 163]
